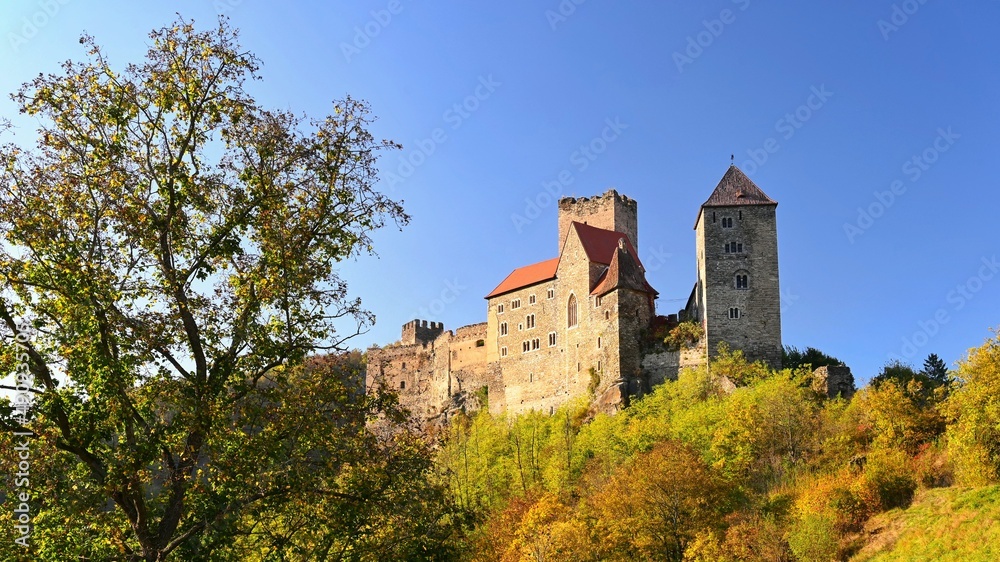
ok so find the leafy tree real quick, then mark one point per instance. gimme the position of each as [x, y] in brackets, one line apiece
[897, 371]
[656, 505]
[793, 358]
[974, 413]
[169, 253]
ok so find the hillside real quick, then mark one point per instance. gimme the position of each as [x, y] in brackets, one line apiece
[959, 524]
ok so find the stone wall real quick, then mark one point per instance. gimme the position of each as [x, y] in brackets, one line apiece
[757, 330]
[609, 211]
[834, 381]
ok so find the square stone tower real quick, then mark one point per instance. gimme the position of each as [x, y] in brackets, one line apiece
[737, 298]
[610, 211]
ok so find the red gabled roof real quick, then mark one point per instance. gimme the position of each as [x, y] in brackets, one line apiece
[600, 244]
[623, 273]
[527, 275]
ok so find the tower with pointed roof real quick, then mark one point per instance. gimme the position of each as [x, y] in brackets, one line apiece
[736, 297]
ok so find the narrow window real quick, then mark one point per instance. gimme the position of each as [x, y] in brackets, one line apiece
[598, 342]
[531, 377]
[529, 320]
[599, 366]
[499, 309]
[727, 222]
[524, 346]
[741, 215]
[402, 385]
[571, 311]
[551, 294]
[516, 303]
[535, 343]
[531, 299]
[713, 217]
[503, 352]
[503, 328]
[607, 315]
[734, 313]
[597, 301]
[404, 365]
[552, 339]
[742, 281]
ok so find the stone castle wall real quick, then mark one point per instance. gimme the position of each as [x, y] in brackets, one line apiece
[610, 211]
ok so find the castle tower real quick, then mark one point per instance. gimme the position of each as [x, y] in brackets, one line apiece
[737, 298]
[610, 211]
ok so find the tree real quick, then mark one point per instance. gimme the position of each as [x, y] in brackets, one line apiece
[168, 255]
[792, 357]
[896, 371]
[974, 415]
[935, 370]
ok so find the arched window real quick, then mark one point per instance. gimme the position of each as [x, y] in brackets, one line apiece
[742, 280]
[571, 312]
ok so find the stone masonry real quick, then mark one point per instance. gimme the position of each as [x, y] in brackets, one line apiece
[577, 325]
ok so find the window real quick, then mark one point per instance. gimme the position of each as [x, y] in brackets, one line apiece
[525, 346]
[734, 313]
[404, 365]
[713, 217]
[598, 342]
[536, 343]
[516, 303]
[531, 299]
[734, 247]
[503, 352]
[503, 328]
[607, 315]
[742, 281]
[597, 301]
[741, 215]
[552, 339]
[531, 377]
[499, 309]
[480, 343]
[529, 321]
[551, 294]
[599, 366]
[571, 311]
[402, 385]
[727, 222]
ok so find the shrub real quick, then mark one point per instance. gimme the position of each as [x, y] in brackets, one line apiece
[685, 335]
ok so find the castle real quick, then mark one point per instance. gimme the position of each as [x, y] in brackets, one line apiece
[578, 324]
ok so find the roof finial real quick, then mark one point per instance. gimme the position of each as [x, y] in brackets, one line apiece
[732, 158]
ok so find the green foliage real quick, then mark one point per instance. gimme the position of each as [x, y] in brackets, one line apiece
[935, 370]
[814, 538]
[595, 381]
[974, 413]
[174, 244]
[684, 335]
[792, 358]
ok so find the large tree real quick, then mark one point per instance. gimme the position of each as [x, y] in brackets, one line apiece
[169, 251]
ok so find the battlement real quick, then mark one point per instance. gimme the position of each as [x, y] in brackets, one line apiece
[419, 331]
[610, 211]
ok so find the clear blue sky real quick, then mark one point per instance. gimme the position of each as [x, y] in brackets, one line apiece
[839, 103]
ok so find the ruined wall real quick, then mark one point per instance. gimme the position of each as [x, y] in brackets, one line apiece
[834, 381]
[666, 365]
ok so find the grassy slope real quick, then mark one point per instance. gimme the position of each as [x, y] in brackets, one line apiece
[942, 524]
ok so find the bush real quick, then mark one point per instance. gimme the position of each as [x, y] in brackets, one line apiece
[814, 538]
[685, 335]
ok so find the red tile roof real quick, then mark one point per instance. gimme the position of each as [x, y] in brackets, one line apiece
[600, 244]
[527, 275]
[623, 273]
